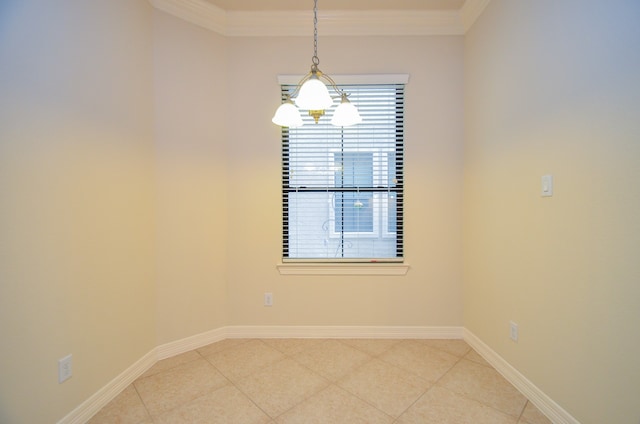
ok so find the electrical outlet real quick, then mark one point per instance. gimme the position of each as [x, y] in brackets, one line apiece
[64, 368]
[268, 299]
[513, 331]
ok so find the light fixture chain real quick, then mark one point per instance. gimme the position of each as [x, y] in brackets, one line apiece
[315, 60]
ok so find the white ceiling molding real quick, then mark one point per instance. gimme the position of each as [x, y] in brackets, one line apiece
[197, 12]
[341, 23]
[470, 11]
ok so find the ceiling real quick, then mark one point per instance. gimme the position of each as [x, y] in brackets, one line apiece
[338, 17]
[273, 5]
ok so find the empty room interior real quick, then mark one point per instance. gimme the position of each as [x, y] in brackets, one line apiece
[141, 191]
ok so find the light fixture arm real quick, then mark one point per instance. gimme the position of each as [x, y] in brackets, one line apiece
[315, 71]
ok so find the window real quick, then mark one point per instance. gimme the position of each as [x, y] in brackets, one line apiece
[342, 188]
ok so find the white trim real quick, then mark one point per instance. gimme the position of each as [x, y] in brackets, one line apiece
[199, 12]
[343, 332]
[102, 397]
[544, 403]
[331, 23]
[471, 11]
[269, 24]
[187, 344]
[303, 332]
[310, 268]
[381, 23]
[106, 394]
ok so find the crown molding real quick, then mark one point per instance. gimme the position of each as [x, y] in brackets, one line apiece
[197, 12]
[344, 23]
[337, 23]
[471, 11]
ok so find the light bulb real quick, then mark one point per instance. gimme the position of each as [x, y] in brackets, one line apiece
[346, 114]
[287, 115]
[314, 95]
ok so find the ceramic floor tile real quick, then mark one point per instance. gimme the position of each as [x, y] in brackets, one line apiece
[485, 385]
[443, 406]
[385, 386]
[280, 386]
[334, 406]
[332, 359]
[226, 405]
[333, 381]
[532, 415]
[455, 347]
[239, 361]
[475, 357]
[167, 364]
[221, 345]
[373, 347]
[127, 407]
[427, 362]
[164, 391]
[292, 346]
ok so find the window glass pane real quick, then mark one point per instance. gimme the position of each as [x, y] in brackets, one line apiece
[354, 212]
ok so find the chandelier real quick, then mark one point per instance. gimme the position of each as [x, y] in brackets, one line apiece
[313, 95]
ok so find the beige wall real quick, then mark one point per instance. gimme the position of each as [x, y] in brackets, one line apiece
[191, 110]
[553, 87]
[140, 208]
[430, 294]
[77, 200]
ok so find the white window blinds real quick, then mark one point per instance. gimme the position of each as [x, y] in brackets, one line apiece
[342, 188]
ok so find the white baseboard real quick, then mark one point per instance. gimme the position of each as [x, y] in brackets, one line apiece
[102, 397]
[187, 344]
[343, 332]
[301, 331]
[544, 403]
[105, 395]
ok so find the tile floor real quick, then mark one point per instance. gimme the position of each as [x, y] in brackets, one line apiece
[286, 381]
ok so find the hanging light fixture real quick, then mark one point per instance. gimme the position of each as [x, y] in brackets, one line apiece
[313, 95]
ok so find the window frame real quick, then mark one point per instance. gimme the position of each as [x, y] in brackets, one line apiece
[381, 225]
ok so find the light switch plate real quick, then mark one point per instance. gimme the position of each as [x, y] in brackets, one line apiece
[513, 331]
[547, 186]
[64, 368]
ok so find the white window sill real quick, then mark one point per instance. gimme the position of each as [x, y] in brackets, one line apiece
[397, 269]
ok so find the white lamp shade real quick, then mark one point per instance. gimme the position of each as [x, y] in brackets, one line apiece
[314, 95]
[287, 115]
[346, 114]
